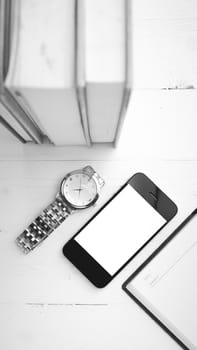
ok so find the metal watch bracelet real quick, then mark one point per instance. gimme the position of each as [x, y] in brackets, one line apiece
[90, 171]
[43, 225]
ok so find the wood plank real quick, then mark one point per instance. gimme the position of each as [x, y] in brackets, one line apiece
[76, 327]
[45, 275]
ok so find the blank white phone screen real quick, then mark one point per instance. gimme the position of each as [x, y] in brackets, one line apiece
[120, 229]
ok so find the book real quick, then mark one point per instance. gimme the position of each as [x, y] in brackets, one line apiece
[65, 69]
[103, 54]
[14, 118]
[42, 70]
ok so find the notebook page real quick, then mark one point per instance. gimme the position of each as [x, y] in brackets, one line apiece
[167, 286]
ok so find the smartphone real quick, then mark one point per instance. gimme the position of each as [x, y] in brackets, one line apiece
[120, 229]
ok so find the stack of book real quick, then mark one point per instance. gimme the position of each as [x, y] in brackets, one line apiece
[64, 69]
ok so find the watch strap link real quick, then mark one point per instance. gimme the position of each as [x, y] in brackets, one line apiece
[43, 225]
[91, 172]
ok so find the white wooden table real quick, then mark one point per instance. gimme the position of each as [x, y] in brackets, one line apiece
[45, 303]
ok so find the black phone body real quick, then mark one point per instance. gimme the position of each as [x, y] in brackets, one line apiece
[119, 230]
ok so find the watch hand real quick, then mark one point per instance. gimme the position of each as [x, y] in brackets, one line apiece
[80, 187]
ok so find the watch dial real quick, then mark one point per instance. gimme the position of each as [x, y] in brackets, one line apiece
[80, 189]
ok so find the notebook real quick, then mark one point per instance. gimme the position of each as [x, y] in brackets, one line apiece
[165, 286]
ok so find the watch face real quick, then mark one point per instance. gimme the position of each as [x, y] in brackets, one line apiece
[79, 189]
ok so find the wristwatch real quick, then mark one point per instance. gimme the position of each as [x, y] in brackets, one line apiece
[79, 189]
